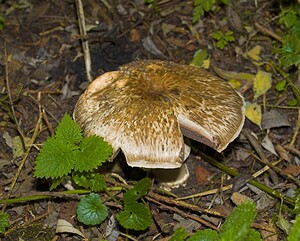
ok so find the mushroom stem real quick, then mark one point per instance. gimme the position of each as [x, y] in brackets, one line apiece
[173, 178]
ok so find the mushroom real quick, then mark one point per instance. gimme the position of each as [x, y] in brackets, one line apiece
[147, 107]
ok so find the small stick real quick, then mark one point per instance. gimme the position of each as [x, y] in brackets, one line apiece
[84, 42]
[264, 160]
[182, 213]
[32, 140]
[268, 32]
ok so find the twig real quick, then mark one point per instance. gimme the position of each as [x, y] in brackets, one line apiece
[295, 136]
[84, 42]
[264, 160]
[182, 213]
[260, 152]
[32, 140]
[268, 32]
[230, 171]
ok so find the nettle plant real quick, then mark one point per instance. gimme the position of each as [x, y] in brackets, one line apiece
[68, 153]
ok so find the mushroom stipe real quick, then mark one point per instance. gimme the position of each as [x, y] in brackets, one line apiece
[146, 107]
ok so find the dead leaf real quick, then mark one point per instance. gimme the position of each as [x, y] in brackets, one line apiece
[65, 227]
[274, 119]
[233, 75]
[268, 236]
[149, 45]
[253, 113]
[202, 175]
[268, 145]
[293, 170]
[262, 83]
[235, 83]
[282, 153]
[238, 198]
[254, 53]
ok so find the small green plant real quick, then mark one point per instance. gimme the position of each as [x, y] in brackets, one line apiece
[203, 6]
[223, 39]
[4, 222]
[135, 215]
[237, 227]
[69, 153]
[289, 51]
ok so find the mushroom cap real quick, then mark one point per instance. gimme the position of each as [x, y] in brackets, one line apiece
[147, 106]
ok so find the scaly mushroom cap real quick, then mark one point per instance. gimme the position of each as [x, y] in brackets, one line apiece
[147, 106]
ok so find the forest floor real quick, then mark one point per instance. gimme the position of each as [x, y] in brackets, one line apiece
[42, 74]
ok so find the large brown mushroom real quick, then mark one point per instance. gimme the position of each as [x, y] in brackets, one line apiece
[146, 107]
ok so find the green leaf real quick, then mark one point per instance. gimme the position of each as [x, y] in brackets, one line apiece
[91, 211]
[218, 35]
[4, 222]
[135, 216]
[297, 205]
[236, 227]
[293, 102]
[281, 86]
[92, 153]
[140, 189]
[54, 160]
[2, 22]
[199, 56]
[94, 181]
[68, 131]
[253, 235]
[283, 224]
[55, 183]
[98, 183]
[294, 235]
[204, 235]
[82, 179]
[179, 234]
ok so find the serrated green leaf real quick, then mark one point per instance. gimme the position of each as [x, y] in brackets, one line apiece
[68, 131]
[135, 216]
[91, 211]
[179, 234]
[204, 235]
[140, 189]
[82, 179]
[54, 160]
[253, 235]
[236, 227]
[98, 183]
[4, 222]
[92, 153]
[55, 183]
[294, 235]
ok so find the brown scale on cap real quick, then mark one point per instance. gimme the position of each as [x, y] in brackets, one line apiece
[147, 106]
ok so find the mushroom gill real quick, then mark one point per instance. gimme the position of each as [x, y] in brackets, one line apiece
[147, 106]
